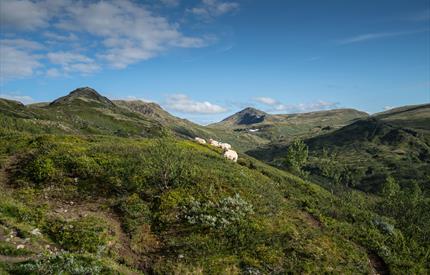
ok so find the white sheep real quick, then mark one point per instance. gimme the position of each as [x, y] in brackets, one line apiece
[214, 143]
[231, 155]
[200, 140]
[225, 146]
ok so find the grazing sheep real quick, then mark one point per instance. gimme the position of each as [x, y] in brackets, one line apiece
[225, 146]
[214, 143]
[200, 140]
[231, 155]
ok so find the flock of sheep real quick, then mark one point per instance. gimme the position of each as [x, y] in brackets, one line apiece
[228, 153]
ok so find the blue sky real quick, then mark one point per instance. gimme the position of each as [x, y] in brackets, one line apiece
[206, 59]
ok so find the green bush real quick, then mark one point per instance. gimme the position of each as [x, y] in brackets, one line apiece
[228, 211]
[63, 263]
[134, 212]
[87, 234]
[11, 250]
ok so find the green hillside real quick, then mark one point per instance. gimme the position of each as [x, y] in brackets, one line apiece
[395, 143]
[93, 186]
[284, 128]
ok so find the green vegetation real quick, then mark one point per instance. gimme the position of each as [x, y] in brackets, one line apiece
[100, 202]
[297, 156]
[286, 128]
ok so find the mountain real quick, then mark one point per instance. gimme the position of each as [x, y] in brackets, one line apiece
[284, 127]
[394, 143]
[247, 116]
[85, 111]
[146, 108]
[85, 94]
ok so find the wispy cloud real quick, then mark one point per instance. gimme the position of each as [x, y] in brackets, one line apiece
[209, 9]
[377, 35]
[182, 103]
[135, 98]
[277, 106]
[267, 100]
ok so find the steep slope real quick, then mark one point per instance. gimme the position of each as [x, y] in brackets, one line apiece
[281, 127]
[415, 116]
[395, 143]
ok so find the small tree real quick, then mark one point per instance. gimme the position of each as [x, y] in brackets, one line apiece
[167, 163]
[297, 155]
[390, 187]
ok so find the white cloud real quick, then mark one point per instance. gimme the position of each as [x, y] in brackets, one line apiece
[22, 44]
[22, 15]
[135, 98]
[73, 62]
[121, 33]
[276, 106]
[379, 35]
[65, 58]
[21, 98]
[267, 100]
[184, 104]
[59, 37]
[17, 63]
[386, 108]
[129, 32]
[309, 107]
[210, 9]
[53, 72]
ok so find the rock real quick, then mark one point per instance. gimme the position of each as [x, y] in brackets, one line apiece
[36, 232]
[20, 246]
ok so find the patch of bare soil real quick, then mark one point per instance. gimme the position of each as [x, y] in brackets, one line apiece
[379, 267]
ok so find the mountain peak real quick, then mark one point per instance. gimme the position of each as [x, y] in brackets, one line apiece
[251, 110]
[86, 94]
[247, 116]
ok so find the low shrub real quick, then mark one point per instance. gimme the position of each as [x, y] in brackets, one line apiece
[87, 234]
[224, 213]
[63, 263]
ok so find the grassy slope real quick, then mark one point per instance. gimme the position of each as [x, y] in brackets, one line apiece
[393, 143]
[295, 226]
[283, 128]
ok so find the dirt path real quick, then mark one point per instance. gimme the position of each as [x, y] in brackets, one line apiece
[379, 267]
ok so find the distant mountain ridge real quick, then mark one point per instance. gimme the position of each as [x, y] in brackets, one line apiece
[277, 127]
[85, 111]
